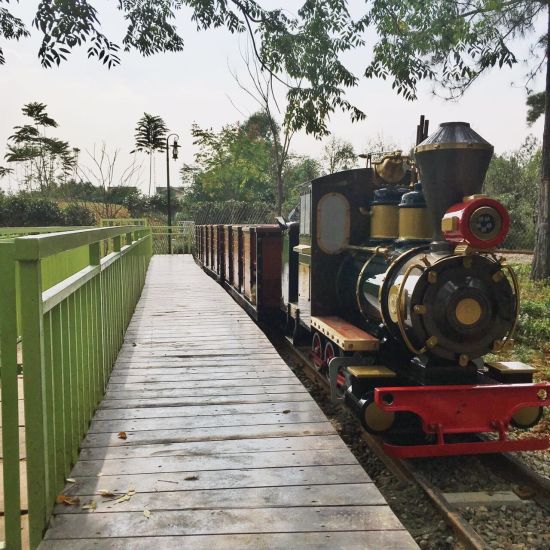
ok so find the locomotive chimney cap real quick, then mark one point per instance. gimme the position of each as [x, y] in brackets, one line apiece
[453, 135]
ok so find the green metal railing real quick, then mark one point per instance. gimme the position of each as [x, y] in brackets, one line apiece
[71, 332]
[181, 234]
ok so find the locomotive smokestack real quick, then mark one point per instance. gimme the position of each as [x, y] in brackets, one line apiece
[452, 163]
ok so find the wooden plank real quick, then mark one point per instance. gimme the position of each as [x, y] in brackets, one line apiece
[357, 494]
[120, 377]
[229, 446]
[207, 434]
[214, 382]
[355, 540]
[243, 408]
[205, 392]
[208, 400]
[205, 421]
[224, 521]
[221, 479]
[273, 459]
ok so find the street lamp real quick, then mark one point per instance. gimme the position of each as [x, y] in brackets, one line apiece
[175, 148]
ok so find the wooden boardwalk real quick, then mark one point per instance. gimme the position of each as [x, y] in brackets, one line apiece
[224, 447]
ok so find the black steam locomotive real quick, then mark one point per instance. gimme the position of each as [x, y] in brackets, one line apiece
[391, 277]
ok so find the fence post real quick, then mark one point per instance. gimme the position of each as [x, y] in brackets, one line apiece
[38, 456]
[10, 412]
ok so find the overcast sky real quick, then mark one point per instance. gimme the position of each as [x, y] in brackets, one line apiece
[93, 104]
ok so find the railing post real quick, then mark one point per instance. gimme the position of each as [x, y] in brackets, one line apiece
[38, 456]
[117, 242]
[10, 412]
[150, 242]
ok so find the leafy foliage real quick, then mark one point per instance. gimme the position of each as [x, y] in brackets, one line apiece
[28, 210]
[338, 155]
[11, 28]
[450, 43]
[536, 104]
[78, 214]
[150, 134]
[68, 24]
[150, 137]
[534, 318]
[513, 179]
[237, 164]
[46, 159]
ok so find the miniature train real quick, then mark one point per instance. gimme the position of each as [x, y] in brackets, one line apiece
[390, 276]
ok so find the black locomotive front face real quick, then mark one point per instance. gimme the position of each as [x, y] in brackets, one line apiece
[462, 307]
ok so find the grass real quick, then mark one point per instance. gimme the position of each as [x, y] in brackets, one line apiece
[533, 331]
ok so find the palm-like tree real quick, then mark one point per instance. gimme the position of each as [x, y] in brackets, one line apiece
[150, 136]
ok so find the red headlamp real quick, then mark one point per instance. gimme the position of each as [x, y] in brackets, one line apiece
[480, 222]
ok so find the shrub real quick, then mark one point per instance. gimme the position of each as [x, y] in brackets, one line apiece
[26, 210]
[77, 214]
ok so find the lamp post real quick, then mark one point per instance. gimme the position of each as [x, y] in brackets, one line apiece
[175, 148]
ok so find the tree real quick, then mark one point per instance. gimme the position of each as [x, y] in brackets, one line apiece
[150, 136]
[262, 89]
[299, 171]
[234, 167]
[46, 160]
[232, 164]
[512, 178]
[338, 155]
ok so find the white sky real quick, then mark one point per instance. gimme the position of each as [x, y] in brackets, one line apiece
[93, 104]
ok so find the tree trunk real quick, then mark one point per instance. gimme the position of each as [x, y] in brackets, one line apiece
[280, 192]
[541, 259]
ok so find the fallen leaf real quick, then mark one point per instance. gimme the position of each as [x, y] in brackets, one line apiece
[70, 480]
[122, 435]
[131, 492]
[286, 411]
[67, 500]
[91, 505]
[147, 513]
[191, 478]
[123, 498]
[106, 493]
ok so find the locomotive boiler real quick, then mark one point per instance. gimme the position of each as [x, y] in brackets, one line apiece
[392, 279]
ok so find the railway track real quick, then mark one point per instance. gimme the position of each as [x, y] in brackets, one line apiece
[523, 483]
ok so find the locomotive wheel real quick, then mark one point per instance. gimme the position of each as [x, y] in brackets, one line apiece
[527, 417]
[374, 419]
[332, 351]
[317, 350]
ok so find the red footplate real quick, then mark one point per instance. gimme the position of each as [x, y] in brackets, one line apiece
[464, 409]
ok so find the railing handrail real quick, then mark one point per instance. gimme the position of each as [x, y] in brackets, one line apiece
[51, 229]
[36, 247]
